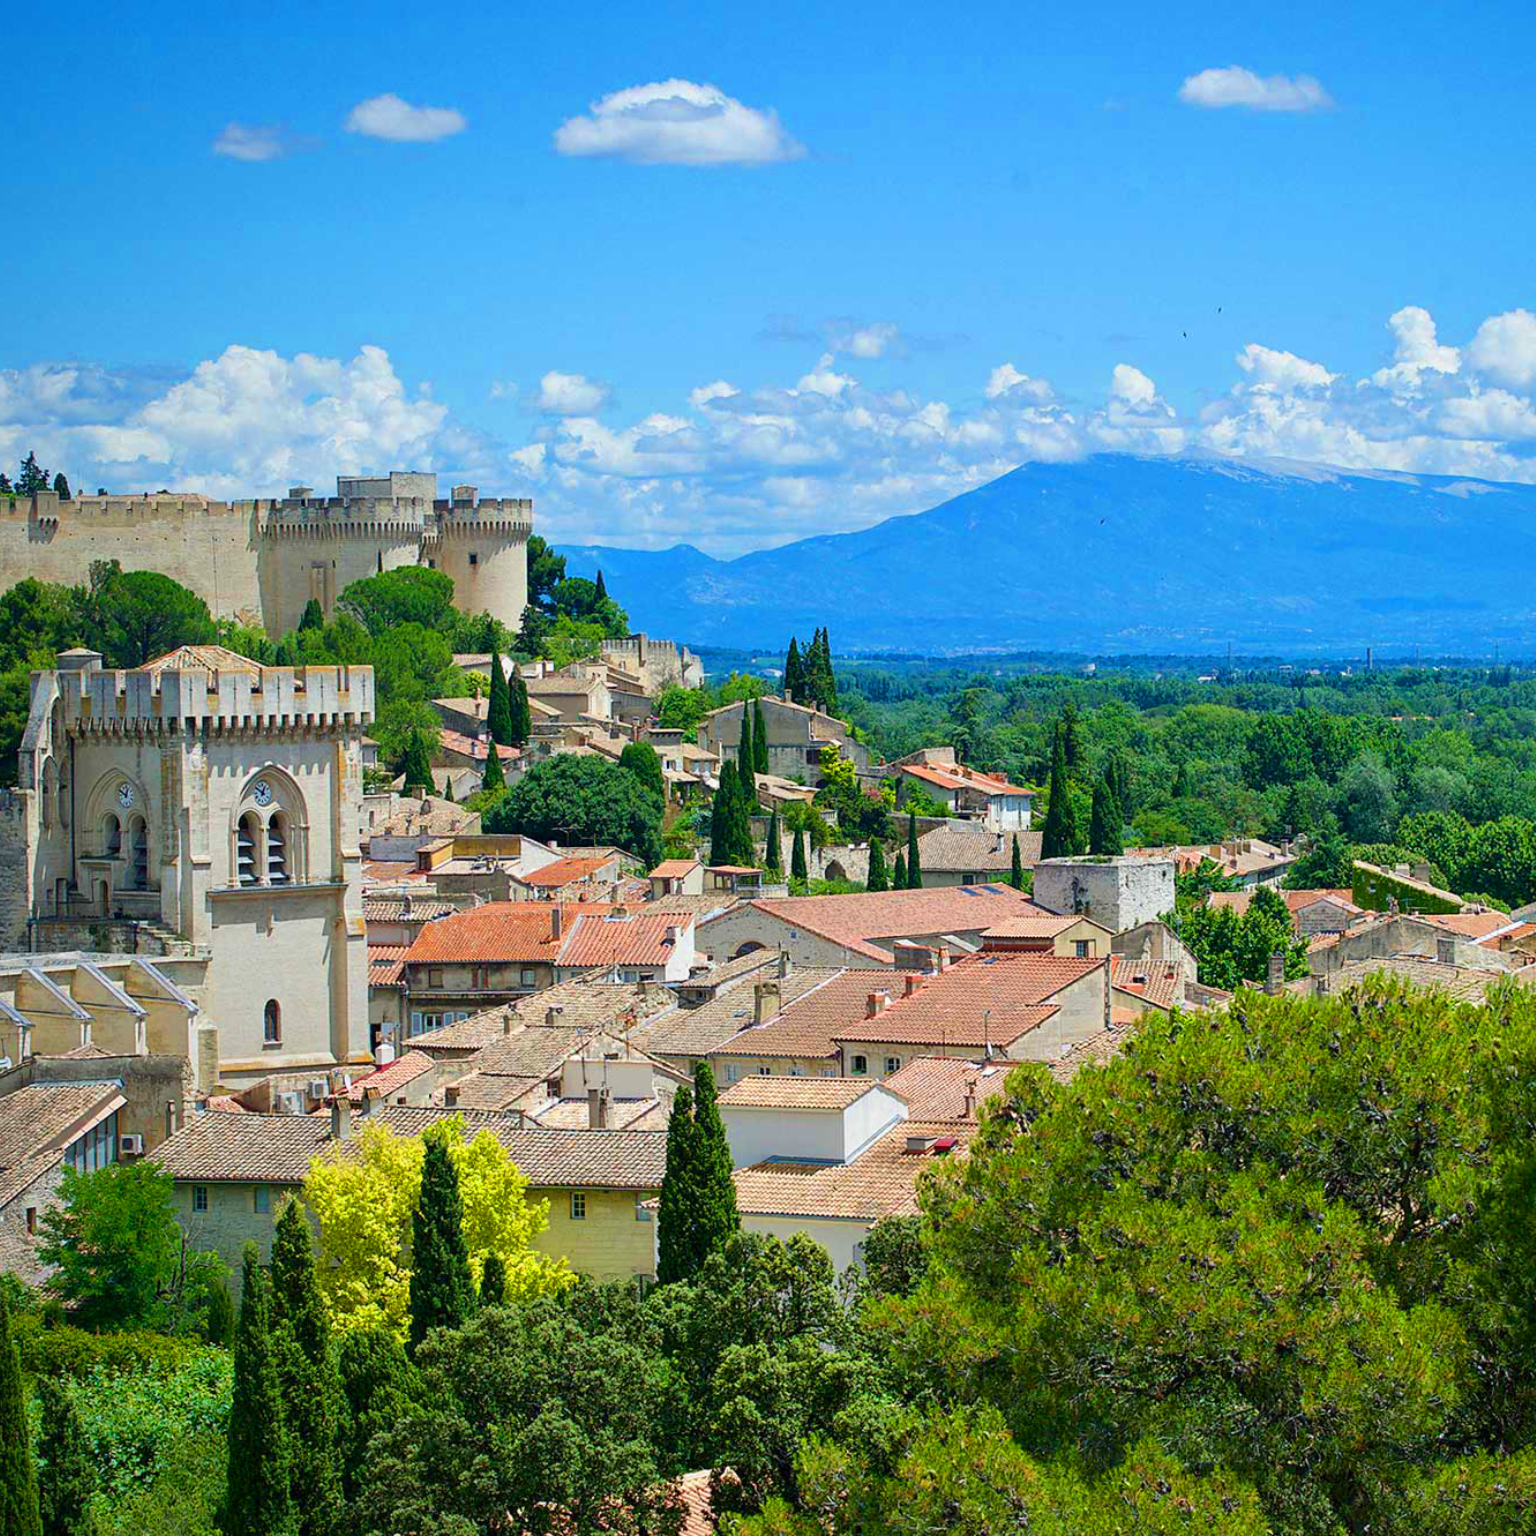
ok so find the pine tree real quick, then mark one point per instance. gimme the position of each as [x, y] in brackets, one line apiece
[61, 486]
[493, 1281]
[1058, 839]
[602, 590]
[714, 1197]
[494, 779]
[498, 710]
[1104, 823]
[797, 865]
[448, 789]
[18, 1472]
[66, 1476]
[759, 738]
[794, 672]
[416, 766]
[746, 757]
[33, 480]
[899, 873]
[879, 875]
[6, 488]
[674, 1237]
[914, 859]
[258, 1501]
[307, 1376]
[773, 858]
[1016, 868]
[314, 615]
[522, 713]
[442, 1295]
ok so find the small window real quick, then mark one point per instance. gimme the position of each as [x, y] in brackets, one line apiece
[892, 1064]
[732, 1071]
[474, 559]
[1081, 948]
[860, 1066]
[434, 976]
[416, 1026]
[578, 1205]
[272, 1023]
[530, 976]
[199, 1197]
[641, 1214]
[277, 851]
[262, 1199]
[32, 1220]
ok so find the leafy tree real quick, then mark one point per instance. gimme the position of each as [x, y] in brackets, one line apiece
[1195, 885]
[416, 765]
[773, 855]
[640, 759]
[18, 1473]
[6, 488]
[1368, 800]
[546, 570]
[1059, 836]
[259, 1501]
[494, 780]
[681, 709]
[1104, 827]
[33, 480]
[140, 615]
[797, 865]
[376, 1383]
[914, 859]
[498, 712]
[1230, 950]
[493, 1282]
[412, 594]
[879, 874]
[582, 800]
[442, 1295]
[895, 1260]
[314, 615]
[38, 619]
[1328, 864]
[66, 1475]
[364, 1203]
[1016, 866]
[61, 486]
[759, 738]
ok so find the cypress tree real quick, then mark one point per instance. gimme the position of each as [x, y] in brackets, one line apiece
[1058, 839]
[720, 815]
[714, 1210]
[18, 1473]
[494, 779]
[914, 860]
[498, 711]
[522, 714]
[1072, 740]
[794, 672]
[797, 866]
[448, 790]
[879, 875]
[258, 1502]
[759, 738]
[828, 676]
[66, 1478]
[674, 1238]
[61, 486]
[1104, 823]
[602, 590]
[306, 1375]
[493, 1281]
[899, 873]
[219, 1324]
[416, 765]
[773, 858]
[746, 758]
[1016, 869]
[1120, 784]
[441, 1293]
[314, 615]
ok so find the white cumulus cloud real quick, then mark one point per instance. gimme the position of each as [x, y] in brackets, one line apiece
[1270, 369]
[1417, 351]
[677, 122]
[1007, 380]
[388, 117]
[1504, 348]
[864, 341]
[251, 142]
[1234, 86]
[571, 394]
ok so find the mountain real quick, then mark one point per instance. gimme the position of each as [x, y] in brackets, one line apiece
[1118, 553]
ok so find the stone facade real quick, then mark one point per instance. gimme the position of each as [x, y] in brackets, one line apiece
[1119, 893]
[217, 805]
[261, 561]
[796, 736]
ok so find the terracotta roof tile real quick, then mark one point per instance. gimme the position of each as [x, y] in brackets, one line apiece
[403, 907]
[966, 846]
[585, 1003]
[674, 869]
[386, 964]
[515, 931]
[384, 1081]
[937, 1087]
[809, 1022]
[1149, 979]
[48, 1116]
[811, 1093]
[635, 939]
[566, 871]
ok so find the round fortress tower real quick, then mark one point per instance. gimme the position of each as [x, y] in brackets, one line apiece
[483, 545]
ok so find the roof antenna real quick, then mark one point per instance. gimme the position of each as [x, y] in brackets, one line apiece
[986, 1033]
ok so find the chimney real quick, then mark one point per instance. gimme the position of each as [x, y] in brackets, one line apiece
[383, 1054]
[968, 1112]
[672, 933]
[875, 1003]
[341, 1117]
[1274, 977]
[912, 984]
[603, 1100]
[766, 1001]
[508, 1017]
[594, 1110]
[784, 963]
[553, 1014]
[1445, 951]
[941, 962]
[555, 921]
[451, 1095]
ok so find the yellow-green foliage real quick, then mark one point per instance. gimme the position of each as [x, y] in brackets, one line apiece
[363, 1203]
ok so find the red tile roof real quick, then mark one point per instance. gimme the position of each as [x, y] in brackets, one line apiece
[636, 939]
[506, 931]
[961, 777]
[566, 871]
[474, 746]
[674, 869]
[386, 964]
[808, 1093]
[938, 1087]
[1158, 982]
[384, 1081]
[808, 1024]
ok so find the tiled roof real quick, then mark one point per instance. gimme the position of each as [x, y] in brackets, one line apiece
[809, 1023]
[881, 1181]
[1030, 926]
[202, 658]
[278, 1149]
[586, 1003]
[705, 1029]
[1471, 925]
[853, 921]
[393, 872]
[829, 1093]
[485, 1091]
[566, 871]
[623, 1114]
[1462, 983]
[1295, 901]
[426, 818]
[1160, 983]
[386, 965]
[962, 846]
[958, 776]
[516, 931]
[936, 1087]
[984, 999]
[1095, 1051]
[48, 1116]
[535, 1052]
[405, 907]
[387, 1080]
[636, 939]
[727, 970]
[674, 869]
[474, 746]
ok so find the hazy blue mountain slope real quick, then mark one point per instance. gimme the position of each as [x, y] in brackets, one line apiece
[1123, 553]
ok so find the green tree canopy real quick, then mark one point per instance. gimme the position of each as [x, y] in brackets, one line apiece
[259, 1499]
[139, 615]
[582, 800]
[413, 594]
[442, 1294]
[19, 1514]
[639, 758]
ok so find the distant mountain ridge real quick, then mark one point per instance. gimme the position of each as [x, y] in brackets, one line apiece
[1118, 553]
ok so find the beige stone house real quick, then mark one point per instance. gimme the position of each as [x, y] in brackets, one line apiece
[796, 736]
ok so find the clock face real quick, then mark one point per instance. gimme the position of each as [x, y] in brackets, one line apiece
[262, 794]
[125, 796]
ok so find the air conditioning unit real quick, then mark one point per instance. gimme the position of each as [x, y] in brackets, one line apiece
[316, 1088]
[290, 1103]
[130, 1146]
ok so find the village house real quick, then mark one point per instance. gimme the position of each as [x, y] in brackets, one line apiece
[796, 737]
[1312, 911]
[969, 853]
[987, 797]
[1117, 892]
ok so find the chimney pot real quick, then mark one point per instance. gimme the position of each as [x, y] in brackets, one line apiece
[912, 985]
[555, 921]
[1274, 979]
[507, 1017]
[341, 1118]
[767, 998]
[875, 1003]
[594, 1110]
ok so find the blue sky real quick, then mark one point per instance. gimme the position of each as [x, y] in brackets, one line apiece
[1161, 259]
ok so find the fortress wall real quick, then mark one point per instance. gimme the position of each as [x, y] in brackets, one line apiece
[497, 582]
[210, 547]
[295, 568]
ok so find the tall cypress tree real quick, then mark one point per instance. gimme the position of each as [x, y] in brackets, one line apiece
[522, 714]
[828, 676]
[715, 1216]
[794, 672]
[307, 1376]
[442, 1295]
[879, 875]
[498, 711]
[416, 765]
[494, 779]
[721, 816]
[759, 738]
[61, 486]
[797, 865]
[674, 1237]
[1120, 787]
[66, 1478]
[746, 758]
[258, 1501]
[1016, 867]
[314, 615]
[914, 859]
[773, 858]
[1058, 838]
[1104, 823]
[899, 873]
[602, 590]
[18, 1472]
[493, 1281]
